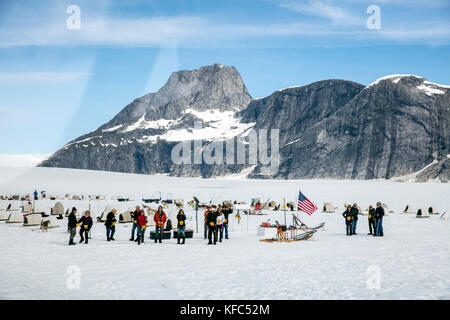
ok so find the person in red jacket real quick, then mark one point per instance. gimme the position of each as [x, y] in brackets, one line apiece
[160, 219]
[142, 224]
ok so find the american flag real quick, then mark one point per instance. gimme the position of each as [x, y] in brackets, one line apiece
[305, 205]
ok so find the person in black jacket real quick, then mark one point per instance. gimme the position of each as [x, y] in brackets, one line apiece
[226, 212]
[86, 225]
[379, 214]
[348, 215]
[355, 212]
[212, 230]
[371, 219]
[72, 225]
[110, 225]
[135, 217]
[181, 217]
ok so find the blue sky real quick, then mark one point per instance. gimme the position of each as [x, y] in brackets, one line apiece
[56, 83]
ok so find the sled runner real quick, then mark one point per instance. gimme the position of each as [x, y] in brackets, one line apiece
[290, 235]
[303, 226]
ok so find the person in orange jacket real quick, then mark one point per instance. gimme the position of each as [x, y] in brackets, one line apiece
[142, 224]
[160, 219]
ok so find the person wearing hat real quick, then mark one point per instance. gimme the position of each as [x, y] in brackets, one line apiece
[379, 214]
[355, 212]
[181, 217]
[160, 219]
[72, 225]
[86, 225]
[371, 219]
[110, 225]
[348, 215]
[135, 216]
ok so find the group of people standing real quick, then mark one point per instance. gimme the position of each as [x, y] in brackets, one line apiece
[216, 223]
[375, 219]
[138, 228]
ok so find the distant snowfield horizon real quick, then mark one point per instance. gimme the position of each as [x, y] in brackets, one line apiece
[60, 181]
[22, 159]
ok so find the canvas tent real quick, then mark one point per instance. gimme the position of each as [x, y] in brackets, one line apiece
[422, 213]
[32, 219]
[329, 207]
[15, 217]
[58, 209]
[432, 210]
[410, 209]
[4, 215]
[13, 206]
[125, 216]
[53, 222]
[27, 207]
[2, 205]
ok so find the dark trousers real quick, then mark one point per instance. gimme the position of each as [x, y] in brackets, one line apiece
[84, 233]
[72, 231]
[158, 234]
[220, 232]
[371, 226]
[225, 228]
[349, 228]
[354, 223]
[110, 232]
[206, 229]
[140, 234]
[212, 232]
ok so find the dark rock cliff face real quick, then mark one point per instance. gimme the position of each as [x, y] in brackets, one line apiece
[391, 128]
[328, 129]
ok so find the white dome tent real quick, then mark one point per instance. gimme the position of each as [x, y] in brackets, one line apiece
[422, 213]
[32, 219]
[329, 207]
[410, 209]
[58, 209]
[15, 217]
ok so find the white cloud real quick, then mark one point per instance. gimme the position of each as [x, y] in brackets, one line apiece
[324, 9]
[342, 27]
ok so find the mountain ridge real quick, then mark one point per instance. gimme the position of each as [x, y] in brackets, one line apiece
[332, 128]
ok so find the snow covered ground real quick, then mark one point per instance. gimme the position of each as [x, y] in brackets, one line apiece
[412, 259]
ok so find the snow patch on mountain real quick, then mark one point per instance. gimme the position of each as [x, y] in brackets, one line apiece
[149, 124]
[393, 77]
[429, 89]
